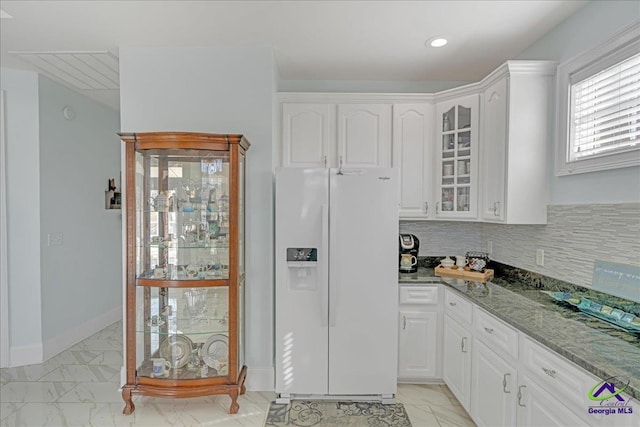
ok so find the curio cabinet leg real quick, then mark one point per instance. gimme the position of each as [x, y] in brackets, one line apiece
[129, 407]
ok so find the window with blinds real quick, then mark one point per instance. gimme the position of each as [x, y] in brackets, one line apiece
[605, 111]
[598, 106]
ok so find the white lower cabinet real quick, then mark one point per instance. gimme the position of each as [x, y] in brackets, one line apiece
[419, 335]
[456, 367]
[541, 407]
[502, 377]
[493, 388]
[554, 373]
[417, 358]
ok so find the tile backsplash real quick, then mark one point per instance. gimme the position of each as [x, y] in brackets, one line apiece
[574, 237]
[439, 238]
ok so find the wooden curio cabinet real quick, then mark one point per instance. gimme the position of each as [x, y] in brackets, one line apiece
[185, 269]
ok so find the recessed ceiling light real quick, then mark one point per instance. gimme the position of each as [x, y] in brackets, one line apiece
[436, 42]
[4, 15]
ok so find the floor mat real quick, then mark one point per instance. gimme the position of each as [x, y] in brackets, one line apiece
[321, 413]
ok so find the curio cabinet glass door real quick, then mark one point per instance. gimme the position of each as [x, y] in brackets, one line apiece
[185, 265]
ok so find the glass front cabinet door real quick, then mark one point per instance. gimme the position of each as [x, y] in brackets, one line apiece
[457, 161]
[185, 265]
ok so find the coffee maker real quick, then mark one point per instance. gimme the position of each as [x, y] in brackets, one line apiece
[408, 258]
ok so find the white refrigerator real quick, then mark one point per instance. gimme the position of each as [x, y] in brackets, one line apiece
[336, 311]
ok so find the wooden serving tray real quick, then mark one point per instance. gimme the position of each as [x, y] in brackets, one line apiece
[460, 273]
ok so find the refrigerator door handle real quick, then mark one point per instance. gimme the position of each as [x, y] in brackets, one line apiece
[333, 289]
[324, 266]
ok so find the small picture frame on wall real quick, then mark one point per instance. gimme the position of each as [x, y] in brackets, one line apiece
[112, 197]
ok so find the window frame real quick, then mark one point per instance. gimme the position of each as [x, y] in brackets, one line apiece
[619, 47]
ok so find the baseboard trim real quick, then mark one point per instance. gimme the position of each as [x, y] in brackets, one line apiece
[25, 355]
[260, 379]
[420, 381]
[123, 376]
[73, 336]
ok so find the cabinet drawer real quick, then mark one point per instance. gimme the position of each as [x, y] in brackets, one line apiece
[425, 295]
[494, 332]
[558, 374]
[457, 307]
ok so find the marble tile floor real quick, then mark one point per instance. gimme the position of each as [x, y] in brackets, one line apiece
[79, 387]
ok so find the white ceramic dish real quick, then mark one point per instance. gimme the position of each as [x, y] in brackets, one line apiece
[214, 350]
[177, 350]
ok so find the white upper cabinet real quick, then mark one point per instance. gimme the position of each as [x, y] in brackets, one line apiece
[364, 135]
[515, 141]
[413, 156]
[335, 135]
[456, 164]
[308, 135]
[494, 135]
[474, 153]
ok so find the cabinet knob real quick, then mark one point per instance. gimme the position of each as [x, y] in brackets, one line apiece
[452, 304]
[463, 342]
[426, 208]
[489, 330]
[404, 322]
[437, 208]
[324, 161]
[496, 208]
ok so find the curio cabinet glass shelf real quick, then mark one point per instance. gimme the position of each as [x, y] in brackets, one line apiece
[185, 267]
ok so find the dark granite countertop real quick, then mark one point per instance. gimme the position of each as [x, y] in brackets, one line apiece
[596, 346]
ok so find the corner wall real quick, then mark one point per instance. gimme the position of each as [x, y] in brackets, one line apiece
[23, 216]
[80, 279]
[60, 295]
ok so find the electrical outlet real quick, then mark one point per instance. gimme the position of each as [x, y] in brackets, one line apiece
[490, 246]
[540, 257]
[54, 239]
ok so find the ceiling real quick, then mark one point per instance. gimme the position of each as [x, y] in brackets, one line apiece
[78, 41]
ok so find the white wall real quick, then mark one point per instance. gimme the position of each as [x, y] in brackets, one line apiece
[587, 27]
[218, 90]
[590, 26]
[23, 215]
[80, 280]
[57, 172]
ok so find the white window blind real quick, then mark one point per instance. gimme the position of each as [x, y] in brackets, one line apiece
[605, 111]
